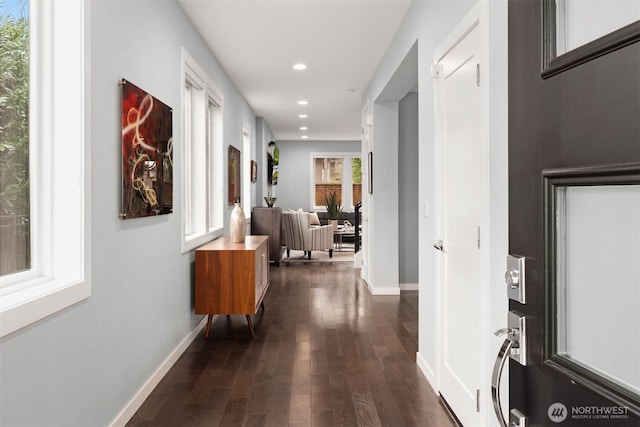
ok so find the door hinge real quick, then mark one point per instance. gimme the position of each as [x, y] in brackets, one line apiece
[478, 237]
[435, 71]
[477, 400]
[477, 74]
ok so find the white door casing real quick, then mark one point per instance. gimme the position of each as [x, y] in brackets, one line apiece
[462, 180]
[366, 247]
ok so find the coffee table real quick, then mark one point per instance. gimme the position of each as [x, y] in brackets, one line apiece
[340, 233]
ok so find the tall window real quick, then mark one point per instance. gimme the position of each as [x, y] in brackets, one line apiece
[245, 170]
[202, 148]
[215, 164]
[15, 250]
[339, 173]
[44, 250]
[356, 180]
[188, 155]
[328, 178]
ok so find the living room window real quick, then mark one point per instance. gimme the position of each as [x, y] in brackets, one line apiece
[203, 179]
[15, 215]
[245, 171]
[215, 163]
[336, 172]
[44, 250]
[356, 180]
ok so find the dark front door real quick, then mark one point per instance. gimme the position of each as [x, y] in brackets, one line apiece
[574, 215]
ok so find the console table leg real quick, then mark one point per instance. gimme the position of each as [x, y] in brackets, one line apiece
[208, 328]
[253, 331]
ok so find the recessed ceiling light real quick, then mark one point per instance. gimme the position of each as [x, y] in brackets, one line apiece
[303, 116]
[303, 102]
[304, 137]
[300, 66]
[304, 128]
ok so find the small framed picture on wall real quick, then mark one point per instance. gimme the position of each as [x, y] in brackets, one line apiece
[254, 171]
[370, 171]
[234, 175]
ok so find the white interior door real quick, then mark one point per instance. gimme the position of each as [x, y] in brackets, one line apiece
[461, 376]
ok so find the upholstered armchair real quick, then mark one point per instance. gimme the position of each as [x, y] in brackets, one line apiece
[299, 236]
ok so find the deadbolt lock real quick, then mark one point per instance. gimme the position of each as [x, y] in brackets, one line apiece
[512, 277]
[515, 278]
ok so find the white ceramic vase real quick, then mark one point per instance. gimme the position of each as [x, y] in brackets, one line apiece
[237, 224]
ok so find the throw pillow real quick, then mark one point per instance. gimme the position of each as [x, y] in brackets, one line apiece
[313, 219]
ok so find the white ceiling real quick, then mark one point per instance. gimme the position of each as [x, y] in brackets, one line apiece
[257, 42]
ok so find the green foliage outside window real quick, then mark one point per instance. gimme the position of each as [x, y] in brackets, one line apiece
[15, 231]
[356, 170]
[14, 111]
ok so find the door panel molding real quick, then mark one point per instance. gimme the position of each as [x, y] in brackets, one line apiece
[553, 64]
[555, 179]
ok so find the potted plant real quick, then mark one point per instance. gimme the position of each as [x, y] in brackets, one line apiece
[333, 209]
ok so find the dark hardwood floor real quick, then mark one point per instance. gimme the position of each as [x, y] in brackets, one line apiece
[327, 353]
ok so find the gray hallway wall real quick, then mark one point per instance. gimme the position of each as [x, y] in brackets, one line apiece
[83, 365]
[408, 204]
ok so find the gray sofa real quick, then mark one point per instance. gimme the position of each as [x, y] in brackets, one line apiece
[323, 216]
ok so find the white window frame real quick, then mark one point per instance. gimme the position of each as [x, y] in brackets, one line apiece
[203, 179]
[59, 168]
[347, 178]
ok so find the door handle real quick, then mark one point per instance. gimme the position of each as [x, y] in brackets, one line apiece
[516, 331]
[515, 347]
[438, 246]
[501, 332]
[503, 354]
[516, 418]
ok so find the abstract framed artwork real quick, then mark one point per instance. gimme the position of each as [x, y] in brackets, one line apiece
[273, 161]
[147, 154]
[234, 175]
[254, 171]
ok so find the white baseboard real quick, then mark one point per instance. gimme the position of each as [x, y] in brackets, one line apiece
[380, 290]
[391, 290]
[429, 373]
[409, 286]
[136, 402]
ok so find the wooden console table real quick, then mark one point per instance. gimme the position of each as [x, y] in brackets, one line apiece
[231, 278]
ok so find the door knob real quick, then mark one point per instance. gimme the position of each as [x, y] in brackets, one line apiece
[438, 245]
